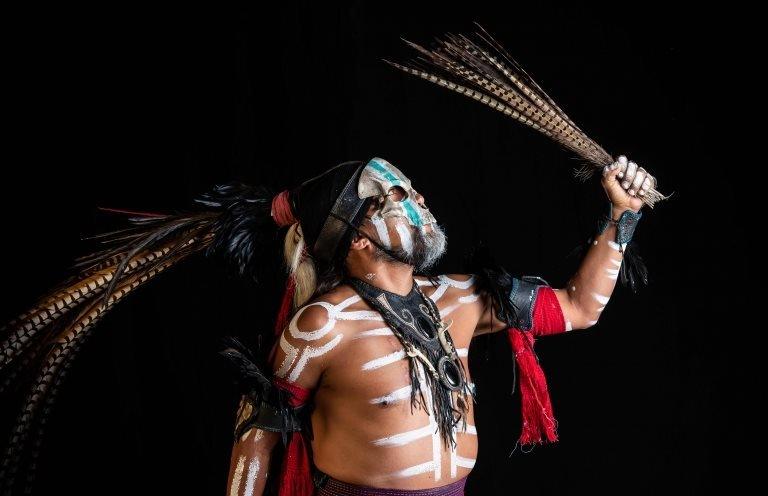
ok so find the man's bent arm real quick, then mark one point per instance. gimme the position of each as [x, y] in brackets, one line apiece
[591, 287]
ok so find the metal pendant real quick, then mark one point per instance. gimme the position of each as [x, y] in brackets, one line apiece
[450, 375]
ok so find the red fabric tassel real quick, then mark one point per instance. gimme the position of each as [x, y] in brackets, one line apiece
[536, 408]
[295, 473]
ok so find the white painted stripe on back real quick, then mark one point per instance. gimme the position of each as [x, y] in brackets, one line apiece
[465, 462]
[617, 263]
[462, 352]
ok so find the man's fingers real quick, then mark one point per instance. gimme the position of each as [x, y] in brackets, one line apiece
[637, 181]
[646, 186]
[629, 175]
[622, 163]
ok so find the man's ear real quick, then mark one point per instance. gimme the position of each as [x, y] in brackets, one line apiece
[359, 242]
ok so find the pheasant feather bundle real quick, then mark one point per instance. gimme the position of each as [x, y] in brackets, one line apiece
[481, 68]
[39, 346]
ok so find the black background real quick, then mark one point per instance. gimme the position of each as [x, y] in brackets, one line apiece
[145, 109]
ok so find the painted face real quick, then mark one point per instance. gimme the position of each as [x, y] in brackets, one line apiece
[378, 178]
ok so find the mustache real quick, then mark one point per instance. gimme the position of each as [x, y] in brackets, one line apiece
[424, 249]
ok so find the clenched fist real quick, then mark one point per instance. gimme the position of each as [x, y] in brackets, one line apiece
[626, 184]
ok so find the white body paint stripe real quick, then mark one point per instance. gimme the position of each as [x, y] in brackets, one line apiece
[615, 246]
[462, 352]
[617, 263]
[612, 272]
[601, 298]
[381, 331]
[406, 242]
[290, 356]
[316, 334]
[404, 438]
[381, 230]
[237, 476]
[456, 283]
[415, 470]
[385, 360]
[359, 315]
[465, 462]
[568, 326]
[311, 352]
[439, 292]
[461, 301]
[344, 304]
[396, 395]
[253, 471]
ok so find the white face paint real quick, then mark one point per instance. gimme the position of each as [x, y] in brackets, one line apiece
[381, 229]
[406, 241]
[378, 178]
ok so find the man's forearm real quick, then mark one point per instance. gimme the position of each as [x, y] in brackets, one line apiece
[250, 462]
[590, 289]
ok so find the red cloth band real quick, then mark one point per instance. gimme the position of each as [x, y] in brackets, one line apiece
[282, 213]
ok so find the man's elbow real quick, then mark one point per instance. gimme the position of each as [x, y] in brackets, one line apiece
[584, 320]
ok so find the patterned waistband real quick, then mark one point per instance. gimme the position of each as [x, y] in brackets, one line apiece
[334, 487]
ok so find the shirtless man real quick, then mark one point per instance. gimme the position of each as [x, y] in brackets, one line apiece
[339, 347]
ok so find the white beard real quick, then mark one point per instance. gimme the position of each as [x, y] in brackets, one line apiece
[418, 248]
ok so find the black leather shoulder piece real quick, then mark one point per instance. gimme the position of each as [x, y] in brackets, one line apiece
[263, 404]
[522, 295]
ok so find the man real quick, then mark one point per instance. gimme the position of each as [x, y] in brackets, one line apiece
[349, 349]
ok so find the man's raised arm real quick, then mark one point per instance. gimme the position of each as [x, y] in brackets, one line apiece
[544, 310]
[590, 289]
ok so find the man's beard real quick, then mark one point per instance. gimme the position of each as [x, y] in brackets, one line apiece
[423, 252]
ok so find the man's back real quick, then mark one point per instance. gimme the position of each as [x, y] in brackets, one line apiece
[364, 430]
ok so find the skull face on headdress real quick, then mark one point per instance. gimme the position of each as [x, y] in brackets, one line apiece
[378, 178]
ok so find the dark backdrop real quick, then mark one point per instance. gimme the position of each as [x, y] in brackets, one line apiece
[145, 109]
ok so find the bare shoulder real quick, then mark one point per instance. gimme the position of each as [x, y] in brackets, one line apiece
[312, 339]
[455, 283]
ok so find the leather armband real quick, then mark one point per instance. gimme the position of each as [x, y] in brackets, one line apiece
[522, 295]
[270, 413]
[263, 404]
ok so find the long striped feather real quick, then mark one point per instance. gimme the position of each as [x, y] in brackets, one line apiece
[480, 68]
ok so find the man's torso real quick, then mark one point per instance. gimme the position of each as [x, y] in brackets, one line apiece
[363, 427]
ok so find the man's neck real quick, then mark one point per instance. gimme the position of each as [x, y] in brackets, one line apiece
[395, 277]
